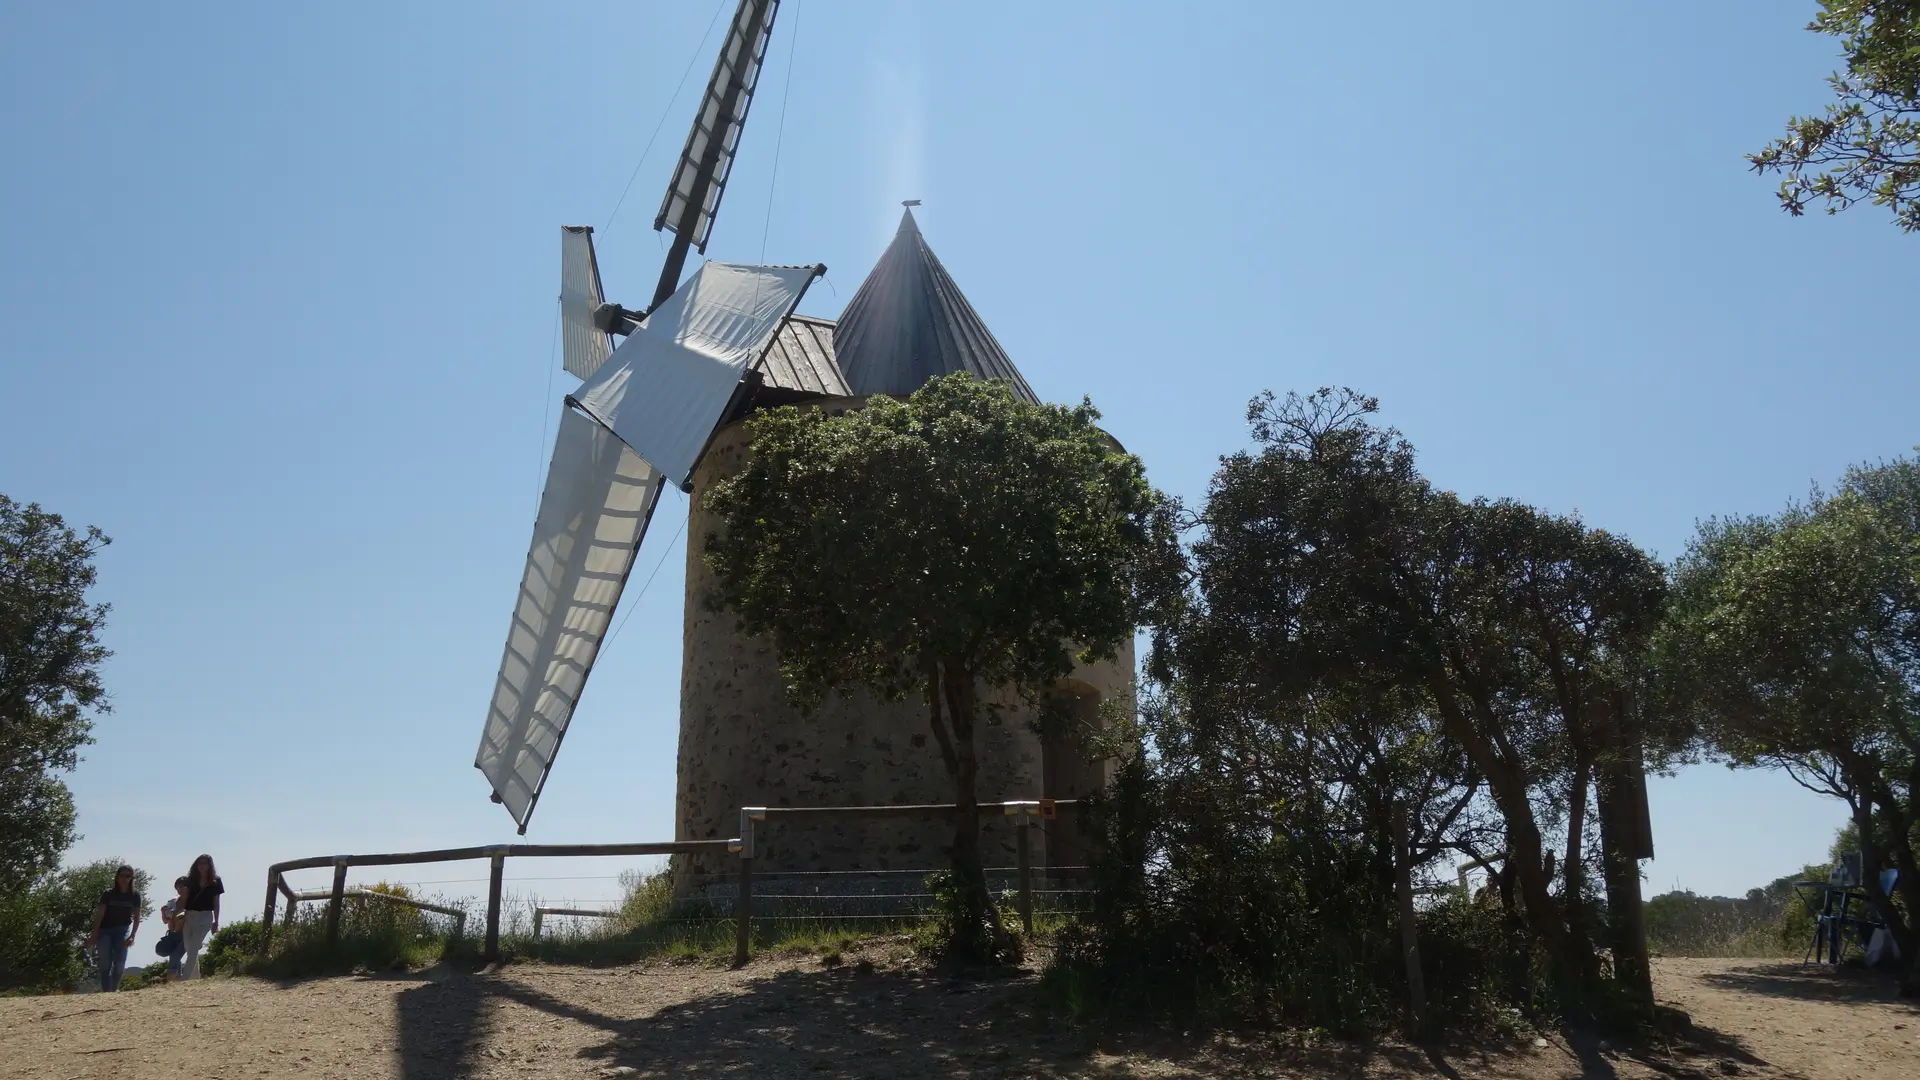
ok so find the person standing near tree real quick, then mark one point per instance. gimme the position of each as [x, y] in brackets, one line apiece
[115, 921]
[202, 913]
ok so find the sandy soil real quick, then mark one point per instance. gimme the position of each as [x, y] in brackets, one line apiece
[792, 1017]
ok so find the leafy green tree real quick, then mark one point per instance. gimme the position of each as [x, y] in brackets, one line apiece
[73, 894]
[957, 540]
[34, 953]
[1356, 643]
[1799, 634]
[1848, 839]
[43, 922]
[1281, 768]
[50, 657]
[1518, 631]
[1579, 606]
[1867, 145]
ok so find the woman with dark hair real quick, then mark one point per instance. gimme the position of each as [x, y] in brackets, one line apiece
[202, 911]
[114, 923]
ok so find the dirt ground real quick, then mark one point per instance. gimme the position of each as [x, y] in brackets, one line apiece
[794, 1017]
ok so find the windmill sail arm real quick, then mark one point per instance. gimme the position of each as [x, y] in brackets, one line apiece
[593, 516]
[669, 382]
[700, 176]
[585, 345]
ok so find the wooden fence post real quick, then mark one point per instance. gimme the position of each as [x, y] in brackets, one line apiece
[266, 920]
[743, 914]
[335, 902]
[1022, 832]
[1409, 926]
[743, 900]
[536, 921]
[493, 907]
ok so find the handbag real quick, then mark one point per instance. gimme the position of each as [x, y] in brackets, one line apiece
[168, 942]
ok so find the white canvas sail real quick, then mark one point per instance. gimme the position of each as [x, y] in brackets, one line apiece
[593, 515]
[665, 387]
[583, 346]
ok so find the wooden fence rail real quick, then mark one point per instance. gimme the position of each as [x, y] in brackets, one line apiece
[1029, 811]
[459, 916]
[540, 913]
[496, 854]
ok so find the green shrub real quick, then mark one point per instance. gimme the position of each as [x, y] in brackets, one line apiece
[231, 949]
[42, 924]
[1480, 969]
[1770, 921]
[937, 936]
[370, 940]
[36, 951]
[1201, 920]
[647, 897]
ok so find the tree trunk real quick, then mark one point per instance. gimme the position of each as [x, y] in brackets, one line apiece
[1526, 850]
[1574, 869]
[1409, 922]
[980, 937]
[1905, 931]
[1626, 921]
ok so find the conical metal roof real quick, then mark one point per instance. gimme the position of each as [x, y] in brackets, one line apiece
[910, 323]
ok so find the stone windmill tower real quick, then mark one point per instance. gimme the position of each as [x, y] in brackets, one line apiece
[741, 744]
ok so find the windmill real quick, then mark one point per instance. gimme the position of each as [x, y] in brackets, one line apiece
[641, 417]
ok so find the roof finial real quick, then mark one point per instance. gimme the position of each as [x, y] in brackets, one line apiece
[909, 202]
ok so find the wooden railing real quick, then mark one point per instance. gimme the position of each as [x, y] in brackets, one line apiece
[459, 917]
[497, 855]
[540, 913]
[1029, 811]
[752, 819]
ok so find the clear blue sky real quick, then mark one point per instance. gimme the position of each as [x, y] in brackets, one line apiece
[277, 311]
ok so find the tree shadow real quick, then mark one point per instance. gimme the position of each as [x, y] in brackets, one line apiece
[1591, 1051]
[1696, 1053]
[442, 1023]
[862, 1021]
[851, 1022]
[1692, 1053]
[1815, 982]
[858, 1021]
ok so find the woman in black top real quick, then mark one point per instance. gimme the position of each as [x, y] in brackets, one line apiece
[202, 913]
[114, 923]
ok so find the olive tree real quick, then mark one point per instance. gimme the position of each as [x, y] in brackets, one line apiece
[1798, 636]
[958, 540]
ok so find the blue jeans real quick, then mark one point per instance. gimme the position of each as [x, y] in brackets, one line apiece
[113, 957]
[174, 958]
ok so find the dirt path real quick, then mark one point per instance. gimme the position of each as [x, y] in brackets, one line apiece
[794, 1018]
[1812, 1022]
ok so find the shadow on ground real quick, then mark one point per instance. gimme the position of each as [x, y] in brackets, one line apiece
[859, 1022]
[849, 1022]
[842, 1023]
[1814, 982]
[442, 1025]
[1700, 1052]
